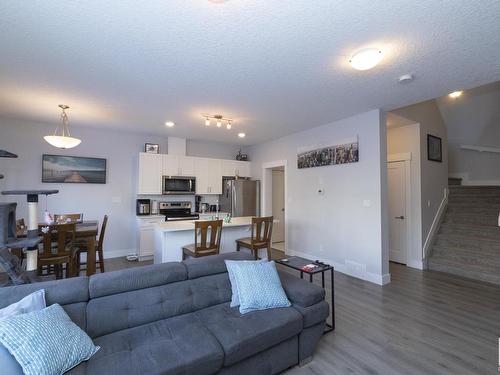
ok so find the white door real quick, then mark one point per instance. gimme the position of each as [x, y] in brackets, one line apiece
[278, 206]
[397, 212]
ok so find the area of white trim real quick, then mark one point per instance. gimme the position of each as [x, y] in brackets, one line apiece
[435, 224]
[404, 156]
[118, 253]
[493, 149]
[467, 182]
[368, 276]
[266, 179]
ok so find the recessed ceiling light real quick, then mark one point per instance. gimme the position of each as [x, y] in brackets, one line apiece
[241, 135]
[455, 94]
[169, 124]
[366, 59]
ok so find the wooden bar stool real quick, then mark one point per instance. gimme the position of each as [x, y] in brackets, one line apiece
[205, 246]
[262, 230]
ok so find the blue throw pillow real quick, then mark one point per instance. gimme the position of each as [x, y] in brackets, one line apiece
[32, 302]
[235, 299]
[46, 342]
[259, 286]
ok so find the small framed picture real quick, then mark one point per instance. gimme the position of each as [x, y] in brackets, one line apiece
[434, 148]
[152, 148]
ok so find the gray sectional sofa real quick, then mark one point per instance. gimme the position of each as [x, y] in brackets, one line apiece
[174, 318]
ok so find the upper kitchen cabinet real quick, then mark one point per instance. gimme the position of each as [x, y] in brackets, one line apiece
[235, 168]
[150, 172]
[208, 173]
[176, 165]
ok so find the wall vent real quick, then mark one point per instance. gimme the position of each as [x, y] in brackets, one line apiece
[355, 269]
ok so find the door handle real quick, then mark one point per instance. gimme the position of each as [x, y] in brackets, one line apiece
[400, 217]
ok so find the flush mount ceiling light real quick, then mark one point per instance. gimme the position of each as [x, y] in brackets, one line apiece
[64, 140]
[241, 135]
[170, 124]
[366, 59]
[455, 94]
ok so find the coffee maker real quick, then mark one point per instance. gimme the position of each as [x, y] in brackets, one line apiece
[143, 207]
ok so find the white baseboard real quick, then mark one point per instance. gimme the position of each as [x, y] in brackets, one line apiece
[118, 253]
[415, 264]
[467, 182]
[367, 276]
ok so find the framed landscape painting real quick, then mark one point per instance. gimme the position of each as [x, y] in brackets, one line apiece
[73, 169]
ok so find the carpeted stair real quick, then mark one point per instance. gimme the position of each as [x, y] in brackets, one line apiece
[468, 241]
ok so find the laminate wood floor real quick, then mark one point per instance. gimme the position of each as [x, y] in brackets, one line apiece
[423, 322]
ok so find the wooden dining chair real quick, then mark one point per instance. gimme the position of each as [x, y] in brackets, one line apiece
[82, 248]
[209, 233]
[20, 231]
[58, 257]
[262, 231]
[67, 218]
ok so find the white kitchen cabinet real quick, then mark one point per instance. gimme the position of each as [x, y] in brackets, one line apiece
[186, 166]
[208, 173]
[233, 168]
[176, 165]
[150, 172]
[146, 238]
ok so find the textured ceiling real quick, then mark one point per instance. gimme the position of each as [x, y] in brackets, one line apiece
[474, 117]
[277, 67]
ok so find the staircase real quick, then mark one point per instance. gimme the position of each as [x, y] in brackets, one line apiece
[468, 241]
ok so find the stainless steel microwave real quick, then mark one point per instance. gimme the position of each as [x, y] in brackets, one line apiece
[179, 185]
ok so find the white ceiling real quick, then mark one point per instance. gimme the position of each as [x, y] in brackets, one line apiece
[277, 67]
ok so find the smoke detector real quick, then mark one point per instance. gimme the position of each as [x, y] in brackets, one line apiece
[405, 78]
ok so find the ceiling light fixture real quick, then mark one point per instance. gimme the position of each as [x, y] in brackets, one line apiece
[366, 59]
[241, 135]
[219, 119]
[170, 124]
[455, 94]
[64, 140]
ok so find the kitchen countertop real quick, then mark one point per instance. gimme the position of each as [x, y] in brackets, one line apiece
[183, 225]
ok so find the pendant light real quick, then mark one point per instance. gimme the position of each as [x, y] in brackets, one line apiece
[64, 140]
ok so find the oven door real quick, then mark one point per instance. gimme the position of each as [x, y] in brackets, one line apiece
[179, 185]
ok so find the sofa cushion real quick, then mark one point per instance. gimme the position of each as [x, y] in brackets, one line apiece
[179, 345]
[63, 292]
[242, 336]
[299, 291]
[126, 310]
[108, 283]
[205, 266]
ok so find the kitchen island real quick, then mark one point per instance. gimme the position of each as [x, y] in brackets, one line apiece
[171, 236]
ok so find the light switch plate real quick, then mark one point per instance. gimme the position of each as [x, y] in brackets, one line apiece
[367, 203]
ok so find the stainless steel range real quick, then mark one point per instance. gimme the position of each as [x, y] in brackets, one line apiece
[175, 211]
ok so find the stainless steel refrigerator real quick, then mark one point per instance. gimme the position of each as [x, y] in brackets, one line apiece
[240, 197]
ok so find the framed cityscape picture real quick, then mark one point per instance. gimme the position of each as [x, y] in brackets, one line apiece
[434, 148]
[73, 169]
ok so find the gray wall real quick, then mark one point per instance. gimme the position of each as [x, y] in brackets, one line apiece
[336, 227]
[473, 119]
[116, 198]
[434, 175]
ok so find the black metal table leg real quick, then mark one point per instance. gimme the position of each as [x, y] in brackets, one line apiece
[310, 277]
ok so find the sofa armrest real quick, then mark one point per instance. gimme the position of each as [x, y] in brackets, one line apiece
[301, 292]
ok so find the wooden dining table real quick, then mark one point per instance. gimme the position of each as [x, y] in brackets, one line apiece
[86, 231]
